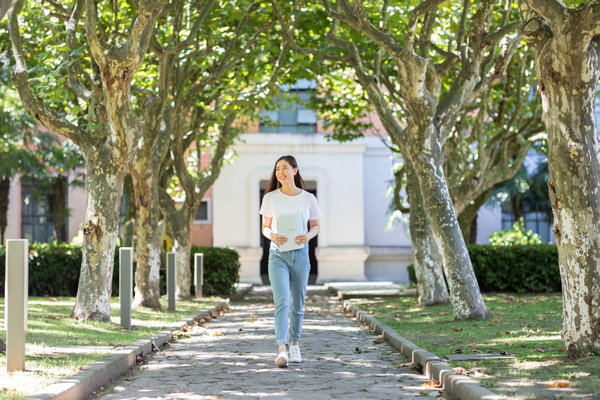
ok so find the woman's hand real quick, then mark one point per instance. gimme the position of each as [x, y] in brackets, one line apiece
[301, 239]
[278, 238]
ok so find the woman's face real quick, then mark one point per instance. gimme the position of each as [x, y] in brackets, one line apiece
[284, 171]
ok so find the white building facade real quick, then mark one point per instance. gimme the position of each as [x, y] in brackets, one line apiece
[350, 182]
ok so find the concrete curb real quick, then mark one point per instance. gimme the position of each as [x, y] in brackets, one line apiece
[92, 376]
[459, 386]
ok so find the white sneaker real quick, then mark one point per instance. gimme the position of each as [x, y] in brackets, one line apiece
[282, 359]
[295, 356]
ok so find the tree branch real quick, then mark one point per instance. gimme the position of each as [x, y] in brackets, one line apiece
[94, 41]
[553, 11]
[291, 41]
[141, 29]
[588, 21]
[74, 67]
[32, 102]
[399, 182]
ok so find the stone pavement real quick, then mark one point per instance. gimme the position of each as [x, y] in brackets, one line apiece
[233, 357]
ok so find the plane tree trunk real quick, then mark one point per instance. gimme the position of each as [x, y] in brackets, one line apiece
[567, 45]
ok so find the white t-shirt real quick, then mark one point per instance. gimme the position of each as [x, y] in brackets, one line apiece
[276, 204]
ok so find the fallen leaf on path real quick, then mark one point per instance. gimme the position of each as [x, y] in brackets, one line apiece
[561, 350]
[217, 334]
[271, 305]
[432, 384]
[251, 318]
[371, 348]
[177, 391]
[559, 384]
[408, 365]
[443, 313]
[322, 313]
[406, 316]
[457, 329]
[52, 299]
[460, 371]
[478, 374]
[217, 396]
[379, 340]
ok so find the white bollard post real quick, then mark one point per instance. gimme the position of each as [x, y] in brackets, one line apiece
[15, 306]
[171, 268]
[198, 273]
[125, 285]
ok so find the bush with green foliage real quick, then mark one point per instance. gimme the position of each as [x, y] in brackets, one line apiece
[54, 270]
[517, 235]
[519, 268]
[221, 269]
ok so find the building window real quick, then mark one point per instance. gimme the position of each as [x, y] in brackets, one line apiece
[292, 116]
[203, 213]
[37, 212]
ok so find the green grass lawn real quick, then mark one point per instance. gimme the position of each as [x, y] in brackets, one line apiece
[49, 325]
[527, 326]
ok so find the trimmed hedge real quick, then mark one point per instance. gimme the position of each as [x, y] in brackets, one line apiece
[519, 268]
[54, 270]
[221, 269]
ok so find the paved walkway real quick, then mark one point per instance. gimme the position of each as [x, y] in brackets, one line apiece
[233, 357]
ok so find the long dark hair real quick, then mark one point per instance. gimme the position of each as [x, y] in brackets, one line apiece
[274, 183]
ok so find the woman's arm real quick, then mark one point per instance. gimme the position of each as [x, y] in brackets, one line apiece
[268, 232]
[312, 232]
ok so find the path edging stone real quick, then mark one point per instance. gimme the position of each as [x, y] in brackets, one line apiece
[94, 375]
[459, 386]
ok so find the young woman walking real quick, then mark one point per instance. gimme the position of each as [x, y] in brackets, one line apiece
[286, 200]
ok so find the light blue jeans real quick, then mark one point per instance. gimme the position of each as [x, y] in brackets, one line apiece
[288, 273]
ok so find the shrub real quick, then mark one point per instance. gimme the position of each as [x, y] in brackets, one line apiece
[54, 270]
[519, 268]
[221, 269]
[517, 235]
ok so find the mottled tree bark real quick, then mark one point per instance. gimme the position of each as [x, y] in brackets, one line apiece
[467, 219]
[59, 189]
[148, 249]
[104, 187]
[179, 225]
[567, 44]
[427, 158]
[127, 228]
[431, 286]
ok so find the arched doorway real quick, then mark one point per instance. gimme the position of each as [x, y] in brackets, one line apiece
[311, 186]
